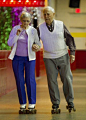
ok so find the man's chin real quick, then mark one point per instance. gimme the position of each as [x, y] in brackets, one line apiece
[47, 21]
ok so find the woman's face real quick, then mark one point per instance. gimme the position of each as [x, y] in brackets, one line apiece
[25, 21]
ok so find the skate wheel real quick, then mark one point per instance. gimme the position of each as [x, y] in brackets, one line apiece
[31, 111]
[22, 112]
[52, 111]
[66, 107]
[58, 111]
[74, 109]
[69, 110]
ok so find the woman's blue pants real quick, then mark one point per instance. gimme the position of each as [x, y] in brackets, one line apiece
[24, 71]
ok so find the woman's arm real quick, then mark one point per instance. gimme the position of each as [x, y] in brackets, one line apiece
[12, 37]
[37, 44]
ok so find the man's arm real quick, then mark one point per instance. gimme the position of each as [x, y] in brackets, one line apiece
[38, 32]
[70, 43]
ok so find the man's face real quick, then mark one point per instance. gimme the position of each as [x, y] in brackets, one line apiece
[48, 16]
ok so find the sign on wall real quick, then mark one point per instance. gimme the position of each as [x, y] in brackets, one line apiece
[21, 3]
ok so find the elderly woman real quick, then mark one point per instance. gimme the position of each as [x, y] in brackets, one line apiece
[22, 38]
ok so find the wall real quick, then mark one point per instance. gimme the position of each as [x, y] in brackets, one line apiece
[7, 80]
[76, 24]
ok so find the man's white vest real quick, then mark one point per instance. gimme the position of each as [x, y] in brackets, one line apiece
[53, 42]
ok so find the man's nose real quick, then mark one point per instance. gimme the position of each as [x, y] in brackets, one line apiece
[46, 16]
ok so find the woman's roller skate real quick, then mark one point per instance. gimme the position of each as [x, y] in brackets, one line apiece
[70, 108]
[31, 109]
[55, 109]
[22, 110]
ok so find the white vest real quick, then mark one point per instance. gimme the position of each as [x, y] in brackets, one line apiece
[53, 42]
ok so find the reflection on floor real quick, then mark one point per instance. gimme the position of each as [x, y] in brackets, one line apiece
[9, 105]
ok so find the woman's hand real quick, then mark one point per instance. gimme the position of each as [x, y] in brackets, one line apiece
[35, 47]
[19, 31]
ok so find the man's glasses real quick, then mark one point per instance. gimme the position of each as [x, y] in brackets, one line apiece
[26, 21]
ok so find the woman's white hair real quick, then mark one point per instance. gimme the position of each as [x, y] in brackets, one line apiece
[25, 14]
[49, 8]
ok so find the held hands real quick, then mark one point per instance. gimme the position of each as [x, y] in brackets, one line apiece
[18, 31]
[35, 47]
[72, 58]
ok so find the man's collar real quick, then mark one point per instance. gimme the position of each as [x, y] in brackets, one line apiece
[52, 24]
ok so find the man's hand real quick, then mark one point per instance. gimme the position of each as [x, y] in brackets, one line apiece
[72, 58]
[35, 47]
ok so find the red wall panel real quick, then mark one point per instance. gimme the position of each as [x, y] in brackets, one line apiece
[7, 80]
[81, 59]
[79, 63]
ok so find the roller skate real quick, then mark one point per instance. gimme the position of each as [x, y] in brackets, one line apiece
[55, 109]
[22, 110]
[31, 111]
[70, 108]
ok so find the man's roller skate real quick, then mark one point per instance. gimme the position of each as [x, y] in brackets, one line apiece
[22, 110]
[55, 109]
[70, 108]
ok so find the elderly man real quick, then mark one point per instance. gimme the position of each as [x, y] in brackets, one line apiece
[56, 38]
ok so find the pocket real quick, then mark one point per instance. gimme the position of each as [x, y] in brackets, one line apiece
[68, 56]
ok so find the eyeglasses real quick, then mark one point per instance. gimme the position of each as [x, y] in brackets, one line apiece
[26, 21]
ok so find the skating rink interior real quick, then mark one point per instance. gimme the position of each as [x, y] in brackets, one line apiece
[9, 105]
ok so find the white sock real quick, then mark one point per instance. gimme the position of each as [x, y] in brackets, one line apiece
[31, 105]
[22, 105]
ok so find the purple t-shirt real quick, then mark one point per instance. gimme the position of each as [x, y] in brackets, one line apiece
[22, 44]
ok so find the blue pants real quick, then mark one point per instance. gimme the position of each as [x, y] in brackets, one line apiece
[21, 64]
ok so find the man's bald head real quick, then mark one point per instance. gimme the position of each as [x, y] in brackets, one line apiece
[49, 9]
[48, 13]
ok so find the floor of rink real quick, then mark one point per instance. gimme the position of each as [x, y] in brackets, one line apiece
[9, 105]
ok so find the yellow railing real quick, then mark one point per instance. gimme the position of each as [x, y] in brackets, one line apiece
[78, 34]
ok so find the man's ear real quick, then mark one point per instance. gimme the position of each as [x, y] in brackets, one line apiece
[53, 14]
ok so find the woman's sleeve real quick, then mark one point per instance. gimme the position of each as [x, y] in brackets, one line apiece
[12, 37]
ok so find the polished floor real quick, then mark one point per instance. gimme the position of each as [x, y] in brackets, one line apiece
[9, 105]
